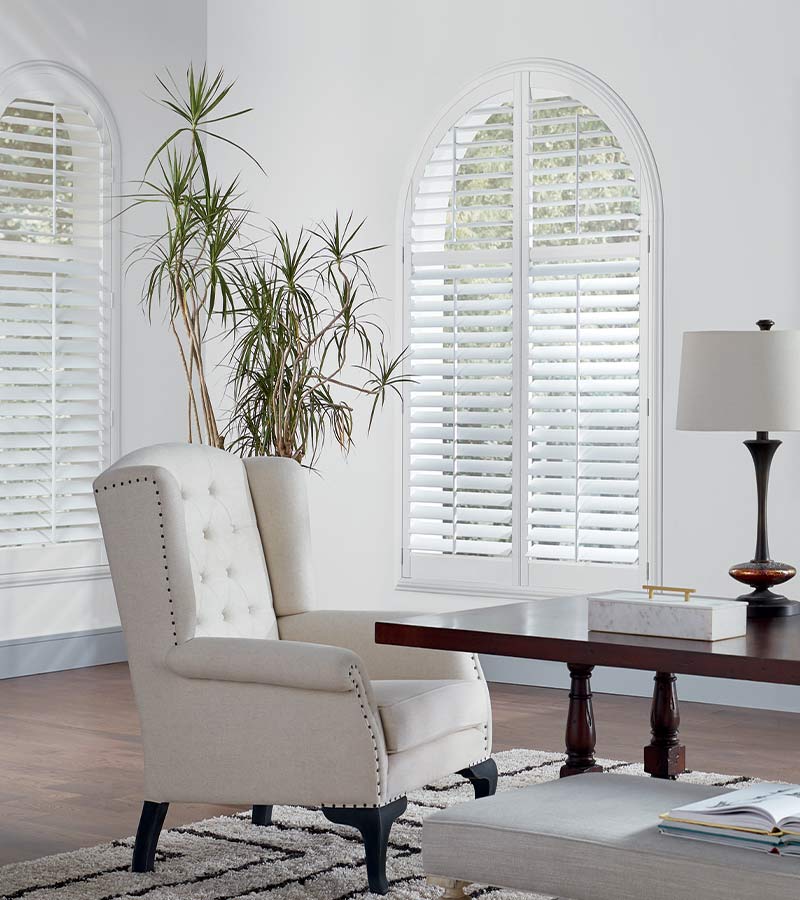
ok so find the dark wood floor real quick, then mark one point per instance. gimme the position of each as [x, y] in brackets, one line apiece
[71, 764]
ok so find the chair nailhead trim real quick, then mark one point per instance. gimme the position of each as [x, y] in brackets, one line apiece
[145, 479]
[355, 679]
[485, 726]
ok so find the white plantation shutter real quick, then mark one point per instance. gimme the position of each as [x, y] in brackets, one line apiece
[525, 457]
[54, 322]
[583, 339]
[460, 330]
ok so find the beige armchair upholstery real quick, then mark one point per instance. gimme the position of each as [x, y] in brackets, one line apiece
[247, 692]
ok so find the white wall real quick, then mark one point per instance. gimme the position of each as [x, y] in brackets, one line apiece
[119, 47]
[345, 94]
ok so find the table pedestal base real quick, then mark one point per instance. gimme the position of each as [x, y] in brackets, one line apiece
[581, 736]
[665, 756]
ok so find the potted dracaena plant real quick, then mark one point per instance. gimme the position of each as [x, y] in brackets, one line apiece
[298, 315]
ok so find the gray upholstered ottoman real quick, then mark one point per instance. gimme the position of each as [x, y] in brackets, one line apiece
[594, 837]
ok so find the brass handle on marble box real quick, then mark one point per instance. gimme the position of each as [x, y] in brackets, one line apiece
[652, 588]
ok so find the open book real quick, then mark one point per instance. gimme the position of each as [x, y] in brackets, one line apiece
[768, 808]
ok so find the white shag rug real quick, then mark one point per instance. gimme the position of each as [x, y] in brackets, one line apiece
[301, 855]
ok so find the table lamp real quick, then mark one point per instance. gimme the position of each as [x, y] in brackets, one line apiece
[746, 381]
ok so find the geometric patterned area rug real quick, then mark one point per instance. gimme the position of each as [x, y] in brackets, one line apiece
[301, 855]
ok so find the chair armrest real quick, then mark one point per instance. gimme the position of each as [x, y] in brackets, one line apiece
[280, 663]
[355, 630]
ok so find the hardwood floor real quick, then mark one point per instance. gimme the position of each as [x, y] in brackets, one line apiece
[71, 764]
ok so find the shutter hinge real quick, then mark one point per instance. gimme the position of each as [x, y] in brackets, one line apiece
[648, 407]
[401, 558]
[403, 253]
[647, 569]
[648, 243]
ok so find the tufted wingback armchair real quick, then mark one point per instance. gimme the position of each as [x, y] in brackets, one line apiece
[249, 694]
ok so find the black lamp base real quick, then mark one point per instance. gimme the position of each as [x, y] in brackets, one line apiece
[761, 572]
[764, 604]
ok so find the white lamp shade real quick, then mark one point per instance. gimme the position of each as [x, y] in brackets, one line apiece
[740, 381]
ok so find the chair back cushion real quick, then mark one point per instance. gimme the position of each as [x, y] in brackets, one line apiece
[226, 558]
[278, 487]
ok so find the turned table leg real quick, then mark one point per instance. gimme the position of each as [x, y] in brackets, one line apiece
[581, 736]
[665, 756]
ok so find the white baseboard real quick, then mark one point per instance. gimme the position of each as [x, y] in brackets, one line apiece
[630, 682]
[57, 652]
[76, 650]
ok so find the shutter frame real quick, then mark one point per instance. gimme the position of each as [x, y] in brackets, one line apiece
[84, 401]
[608, 108]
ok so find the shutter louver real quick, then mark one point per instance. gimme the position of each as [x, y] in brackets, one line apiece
[54, 329]
[459, 409]
[583, 304]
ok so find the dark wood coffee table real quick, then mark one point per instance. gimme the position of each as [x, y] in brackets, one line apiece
[557, 629]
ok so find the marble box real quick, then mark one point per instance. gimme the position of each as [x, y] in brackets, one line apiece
[667, 615]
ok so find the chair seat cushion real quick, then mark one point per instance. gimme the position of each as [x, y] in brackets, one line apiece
[414, 712]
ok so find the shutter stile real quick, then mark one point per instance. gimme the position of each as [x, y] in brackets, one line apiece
[54, 378]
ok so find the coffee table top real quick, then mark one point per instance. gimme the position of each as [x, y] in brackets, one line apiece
[557, 629]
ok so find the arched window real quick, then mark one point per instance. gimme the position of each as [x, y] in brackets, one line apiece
[531, 266]
[57, 270]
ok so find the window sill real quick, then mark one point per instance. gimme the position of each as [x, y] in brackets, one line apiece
[54, 576]
[483, 591]
[53, 563]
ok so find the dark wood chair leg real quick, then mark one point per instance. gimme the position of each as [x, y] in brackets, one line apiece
[581, 736]
[374, 823]
[262, 815]
[665, 756]
[483, 778]
[150, 822]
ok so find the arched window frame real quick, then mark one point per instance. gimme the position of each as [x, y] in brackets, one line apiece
[53, 82]
[475, 577]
